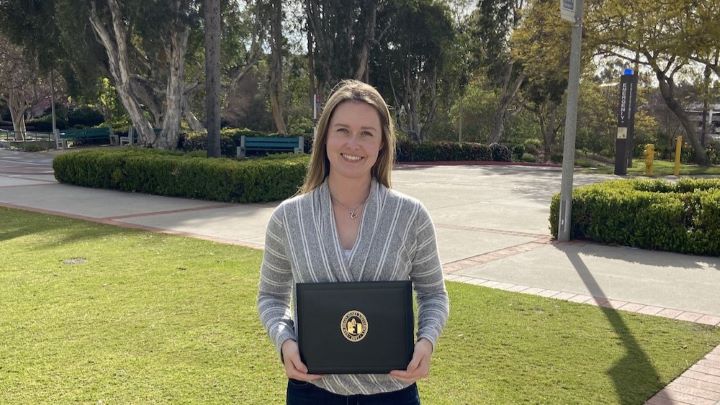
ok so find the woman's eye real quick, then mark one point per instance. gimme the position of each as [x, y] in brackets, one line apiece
[366, 133]
[342, 130]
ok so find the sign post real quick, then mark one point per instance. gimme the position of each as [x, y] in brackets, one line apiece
[626, 121]
[568, 10]
[572, 11]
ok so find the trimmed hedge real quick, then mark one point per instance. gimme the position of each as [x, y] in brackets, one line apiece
[441, 151]
[648, 214]
[173, 174]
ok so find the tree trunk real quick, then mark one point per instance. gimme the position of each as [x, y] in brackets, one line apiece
[276, 70]
[706, 101]
[17, 108]
[175, 90]
[547, 115]
[192, 121]
[509, 91]
[411, 105]
[212, 76]
[667, 90]
[363, 72]
[116, 49]
[311, 74]
[146, 95]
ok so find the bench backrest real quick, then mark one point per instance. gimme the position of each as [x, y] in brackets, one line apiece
[270, 143]
[85, 133]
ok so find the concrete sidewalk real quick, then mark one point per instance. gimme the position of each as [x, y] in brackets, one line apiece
[492, 226]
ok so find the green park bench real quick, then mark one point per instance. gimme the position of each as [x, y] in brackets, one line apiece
[86, 134]
[270, 144]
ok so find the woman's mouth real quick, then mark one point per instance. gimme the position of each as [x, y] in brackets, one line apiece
[351, 158]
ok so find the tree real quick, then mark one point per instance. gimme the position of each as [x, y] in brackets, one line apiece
[541, 45]
[340, 37]
[244, 35]
[492, 25]
[162, 31]
[32, 26]
[212, 75]
[475, 107]
[276, 65]
[411, 63]
[655, 35]
[16, 77]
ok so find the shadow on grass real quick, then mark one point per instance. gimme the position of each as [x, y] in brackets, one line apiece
[635, 367]
[20, 223]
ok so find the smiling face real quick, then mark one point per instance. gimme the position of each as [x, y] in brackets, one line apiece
[354, 140]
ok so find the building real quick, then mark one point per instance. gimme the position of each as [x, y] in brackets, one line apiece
[712, 131]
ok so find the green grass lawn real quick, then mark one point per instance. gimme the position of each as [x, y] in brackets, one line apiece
[660, 168]
[94, 313]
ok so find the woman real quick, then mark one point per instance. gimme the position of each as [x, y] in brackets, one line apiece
[348, 225]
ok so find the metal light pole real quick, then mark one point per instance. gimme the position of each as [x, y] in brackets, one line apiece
[571, 10]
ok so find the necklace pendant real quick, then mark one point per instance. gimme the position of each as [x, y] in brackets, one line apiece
[353, 214]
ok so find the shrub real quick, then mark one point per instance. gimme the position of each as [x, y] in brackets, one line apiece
[529, 158]
[518, 151]
[84, 117]
[36, 146]
[682, 217]
[500, 153]
[407, 151]
[478, 151]
[174, 174]
[533, 146]
[196, 141]
[44, 123]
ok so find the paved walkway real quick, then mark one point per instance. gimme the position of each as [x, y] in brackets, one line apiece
[492, 225]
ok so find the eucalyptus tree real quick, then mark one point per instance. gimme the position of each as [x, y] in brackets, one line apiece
[274, 16]
[411, 61]
[16, 76]
[491, 25]
[340, 38]
[541, 44]
[146, 44]
[31, 26]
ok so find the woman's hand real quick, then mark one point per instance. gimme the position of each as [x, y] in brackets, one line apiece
[419, 366]
[294, 367]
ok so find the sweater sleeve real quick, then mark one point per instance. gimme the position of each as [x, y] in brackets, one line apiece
[276, 284]
[427, 278]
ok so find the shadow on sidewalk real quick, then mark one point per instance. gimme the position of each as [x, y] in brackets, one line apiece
[658, 258]
[635, 364]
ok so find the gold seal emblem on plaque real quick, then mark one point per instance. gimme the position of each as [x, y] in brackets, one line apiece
[354, 326]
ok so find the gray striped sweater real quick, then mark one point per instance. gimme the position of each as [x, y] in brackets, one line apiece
[396, 241]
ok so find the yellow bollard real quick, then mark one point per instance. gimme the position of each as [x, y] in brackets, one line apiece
[678, 146]
[649, 158]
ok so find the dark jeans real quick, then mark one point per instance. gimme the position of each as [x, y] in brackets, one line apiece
[304, 393]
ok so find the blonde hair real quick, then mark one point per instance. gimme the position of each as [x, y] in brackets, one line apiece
[351, 90]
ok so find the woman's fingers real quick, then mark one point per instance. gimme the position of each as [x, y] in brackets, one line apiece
[294, 367]
[419, 366]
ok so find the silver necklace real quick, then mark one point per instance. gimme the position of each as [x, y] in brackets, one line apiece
[353, 212]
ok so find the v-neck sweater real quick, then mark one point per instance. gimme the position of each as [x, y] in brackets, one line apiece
[396, 241]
